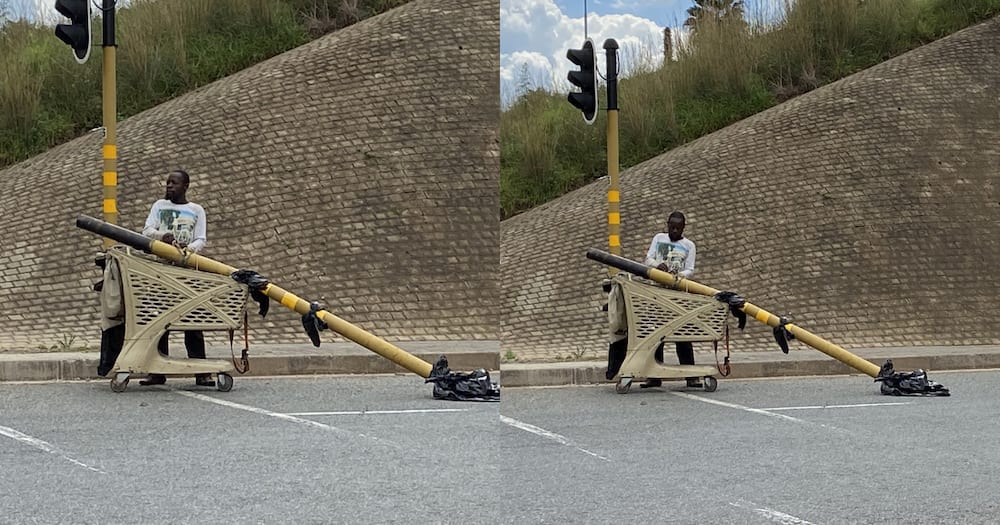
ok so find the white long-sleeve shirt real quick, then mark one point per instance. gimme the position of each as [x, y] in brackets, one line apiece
[678, 255]
[185, 221]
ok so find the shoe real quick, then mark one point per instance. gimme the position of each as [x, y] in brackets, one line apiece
[154, 379]
[652, 383]
[204, 380]
[694, 382]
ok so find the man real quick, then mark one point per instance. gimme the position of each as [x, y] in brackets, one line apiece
[174, 220]
[672, 252]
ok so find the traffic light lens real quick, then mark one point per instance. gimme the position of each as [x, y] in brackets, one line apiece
[75, 10]
[580, 78]
[585, 102]
[75, 36]
[581, 57]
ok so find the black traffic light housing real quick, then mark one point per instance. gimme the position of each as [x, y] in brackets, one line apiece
[77, 33]
[586, 79]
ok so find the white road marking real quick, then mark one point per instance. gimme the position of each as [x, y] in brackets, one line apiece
[549, 435]
[278, 415]
[44, 446]
[773, 515]
[366, 412]
[814, 407]
[753, 410]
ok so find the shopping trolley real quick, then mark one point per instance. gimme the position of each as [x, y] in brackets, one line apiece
[158, 297]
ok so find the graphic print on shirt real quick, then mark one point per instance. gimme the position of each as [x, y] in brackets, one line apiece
[178, 222]
[672, 254]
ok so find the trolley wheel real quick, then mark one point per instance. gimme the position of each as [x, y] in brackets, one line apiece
[711, 384]
[623, 385]
[119, 382]
[224, 382]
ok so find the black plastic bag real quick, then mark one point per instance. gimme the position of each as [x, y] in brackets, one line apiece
[908, 383]
[736, 304]
[459, 386]
[313, 324]
[256, 283]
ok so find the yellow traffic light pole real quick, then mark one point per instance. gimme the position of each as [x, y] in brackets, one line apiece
[301, 306]
[78, 35]
[109, 96]
[614, 195]
[757, 313]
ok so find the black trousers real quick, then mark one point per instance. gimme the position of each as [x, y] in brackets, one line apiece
[194, 341]
[685, 353]
[112, 341]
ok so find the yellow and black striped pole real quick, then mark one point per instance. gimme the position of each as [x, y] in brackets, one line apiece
[686, 285]
[614, 195]
[109, 96]
[300, 306]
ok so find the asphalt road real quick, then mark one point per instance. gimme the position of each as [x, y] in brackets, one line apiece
[380, 450]
[754, 452]
[272, 452]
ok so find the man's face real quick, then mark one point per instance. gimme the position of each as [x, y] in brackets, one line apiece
[675, 229]
[176, 188]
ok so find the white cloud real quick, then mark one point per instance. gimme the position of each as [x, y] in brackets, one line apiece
[512, 64]
[522, 71]
[535, 35]
[33, 10]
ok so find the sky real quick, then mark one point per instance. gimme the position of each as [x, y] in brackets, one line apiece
[535, 34]
[31, 9]
[43, 11]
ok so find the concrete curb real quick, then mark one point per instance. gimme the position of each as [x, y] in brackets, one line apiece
[83, 365]
[284, 360]
[592, 372]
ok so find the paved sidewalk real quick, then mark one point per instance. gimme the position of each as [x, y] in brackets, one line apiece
[268, 360]
[798, 362]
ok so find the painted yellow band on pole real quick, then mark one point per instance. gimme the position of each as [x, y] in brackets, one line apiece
[110, 178]
[289, 300]
[614, 218]
[614, 196]
[110, 151]
[614, 240]
[110, 206]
